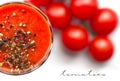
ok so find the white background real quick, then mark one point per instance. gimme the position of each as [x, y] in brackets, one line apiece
[59, 60]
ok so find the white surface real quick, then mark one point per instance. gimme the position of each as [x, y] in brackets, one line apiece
[59, 60]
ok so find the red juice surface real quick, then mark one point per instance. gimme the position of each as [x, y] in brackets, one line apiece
[25, 38]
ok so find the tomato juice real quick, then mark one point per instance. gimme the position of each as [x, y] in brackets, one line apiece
[25, 38]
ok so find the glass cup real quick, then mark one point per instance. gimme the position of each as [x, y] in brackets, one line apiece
[14, 71]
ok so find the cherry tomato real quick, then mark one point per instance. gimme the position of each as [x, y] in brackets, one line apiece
[75, 37]
[58, 14]
[84, 9]
[39, 2]
[104, 21]
[36, 5]
[101, 48]
[32, 3]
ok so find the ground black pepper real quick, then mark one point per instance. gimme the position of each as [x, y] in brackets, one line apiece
[17, 47]
[17, 56]
[11, 26]
[14, 14]
[23, 11]
[1, 25]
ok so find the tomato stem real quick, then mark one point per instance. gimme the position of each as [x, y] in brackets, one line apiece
[87, 26]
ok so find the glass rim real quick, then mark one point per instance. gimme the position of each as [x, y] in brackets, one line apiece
[43, 60]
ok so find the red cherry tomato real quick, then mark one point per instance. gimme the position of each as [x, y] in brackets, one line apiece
[84, 9]
[38, 6]
[32, 3]
[101, 48]
[104, 22]
[39, 2]
[59, 15]
[75, 37]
